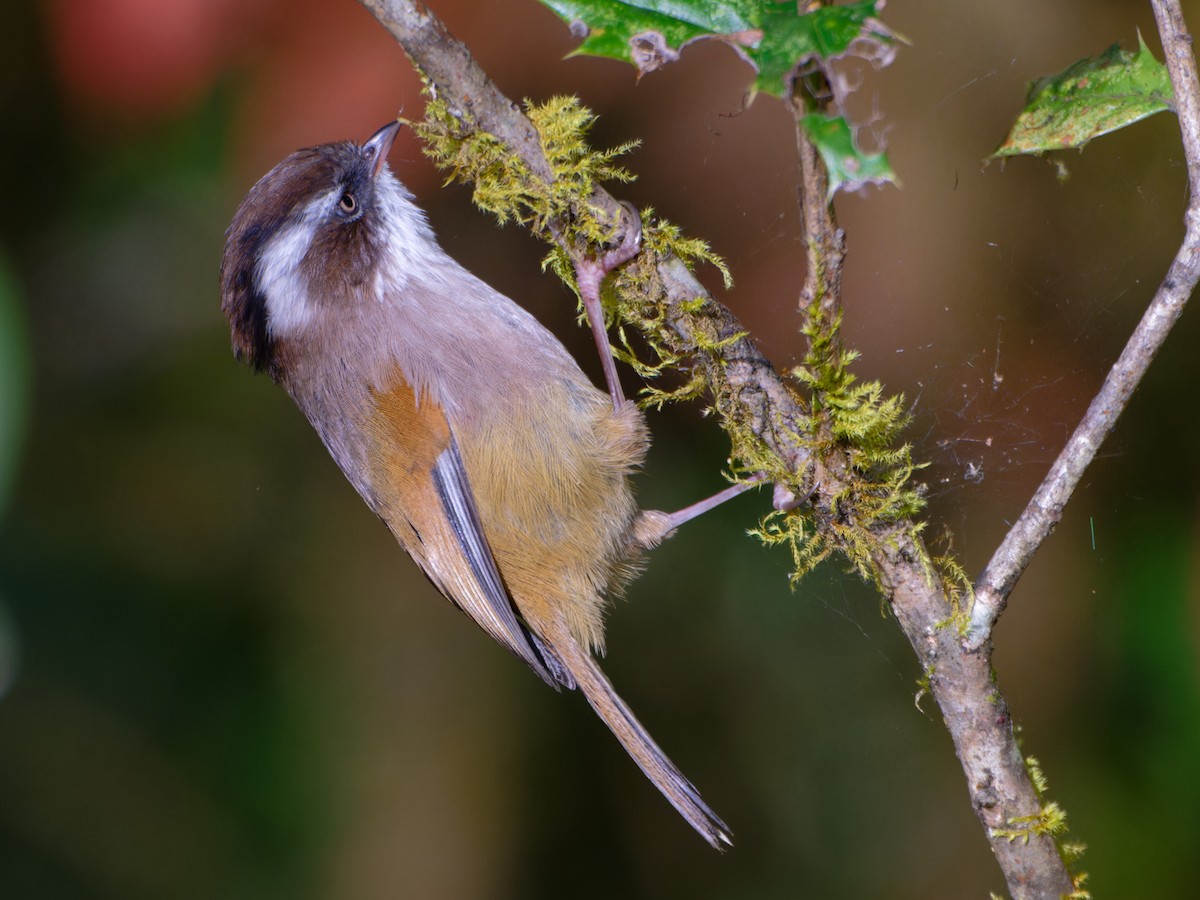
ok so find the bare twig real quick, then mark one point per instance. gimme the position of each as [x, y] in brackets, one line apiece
[1181, 64]
[1046, 507]
[961, 682]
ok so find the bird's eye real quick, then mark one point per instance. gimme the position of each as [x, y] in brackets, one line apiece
[348, 204]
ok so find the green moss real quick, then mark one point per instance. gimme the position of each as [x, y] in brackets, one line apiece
[855, 424]
[1050, 821]
[924, 685]
[1070, 851]
[504, 186]
[956, 587]
[558, 211]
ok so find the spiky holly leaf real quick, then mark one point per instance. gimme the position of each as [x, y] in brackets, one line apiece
[849, 168]
[1093, 97]
[772, 36]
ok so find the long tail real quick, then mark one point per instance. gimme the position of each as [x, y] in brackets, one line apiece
[638, 743]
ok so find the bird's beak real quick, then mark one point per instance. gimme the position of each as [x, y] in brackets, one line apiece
[379, 145]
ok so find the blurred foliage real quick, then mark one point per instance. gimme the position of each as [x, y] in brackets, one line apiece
[225, 679]
[14, 377]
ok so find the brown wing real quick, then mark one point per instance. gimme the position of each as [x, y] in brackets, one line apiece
[423, 494]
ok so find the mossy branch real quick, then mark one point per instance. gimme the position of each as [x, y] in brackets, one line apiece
[824, 440]
[857, 422]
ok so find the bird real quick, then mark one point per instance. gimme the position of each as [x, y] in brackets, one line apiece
[461, 421]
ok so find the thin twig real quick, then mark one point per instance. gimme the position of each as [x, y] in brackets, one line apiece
[1045, 509]
[1181, 64]
[824, 241]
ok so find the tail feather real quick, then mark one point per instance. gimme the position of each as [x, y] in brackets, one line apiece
[673, 784]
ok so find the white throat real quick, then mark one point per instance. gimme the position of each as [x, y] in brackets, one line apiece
[412, 249]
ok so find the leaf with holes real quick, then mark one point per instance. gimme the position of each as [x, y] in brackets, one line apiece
[773, 37]
[1093, 97]
[849, 168]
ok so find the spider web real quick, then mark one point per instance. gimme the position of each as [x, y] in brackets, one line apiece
[993, 409]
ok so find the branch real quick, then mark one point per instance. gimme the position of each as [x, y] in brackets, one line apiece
[963, 684]
[748, 391]
[825, 242]
[1045, 509]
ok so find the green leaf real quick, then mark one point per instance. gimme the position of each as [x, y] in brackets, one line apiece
[849, 168]
[1091, 98]
[772, 36]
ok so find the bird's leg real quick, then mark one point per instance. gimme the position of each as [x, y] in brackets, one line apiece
[652, 526]
[590, 272]
[695, 510]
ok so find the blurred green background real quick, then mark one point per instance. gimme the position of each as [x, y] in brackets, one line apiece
[220, 678]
